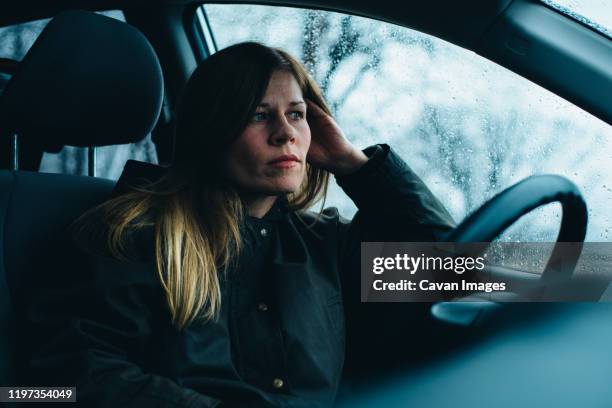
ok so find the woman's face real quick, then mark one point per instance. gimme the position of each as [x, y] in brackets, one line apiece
[278, 128]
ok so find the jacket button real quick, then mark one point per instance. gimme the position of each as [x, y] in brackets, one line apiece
[278, 383]
[264, 232]
[262, 307]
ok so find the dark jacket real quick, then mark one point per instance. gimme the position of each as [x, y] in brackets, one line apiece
[103, 325]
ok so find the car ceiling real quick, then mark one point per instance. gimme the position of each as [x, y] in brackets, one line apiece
[459, 22]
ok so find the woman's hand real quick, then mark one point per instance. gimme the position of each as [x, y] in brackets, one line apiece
[329, 148]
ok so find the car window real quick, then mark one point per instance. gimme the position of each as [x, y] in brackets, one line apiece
[467, 126]
[15, 41]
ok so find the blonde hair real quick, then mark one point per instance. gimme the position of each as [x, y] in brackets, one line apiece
[196, 216]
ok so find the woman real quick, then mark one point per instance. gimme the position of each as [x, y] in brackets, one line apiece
[212, 285]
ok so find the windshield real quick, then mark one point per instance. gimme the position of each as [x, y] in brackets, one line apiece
[597, 14]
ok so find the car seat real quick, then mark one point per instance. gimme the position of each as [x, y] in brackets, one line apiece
[88, 80]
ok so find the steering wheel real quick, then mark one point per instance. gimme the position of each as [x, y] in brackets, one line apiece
[496, 215]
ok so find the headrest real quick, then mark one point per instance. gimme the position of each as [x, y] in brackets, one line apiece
[88, 80]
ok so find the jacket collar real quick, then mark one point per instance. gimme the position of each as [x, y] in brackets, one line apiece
[277, 212]
[289, 247]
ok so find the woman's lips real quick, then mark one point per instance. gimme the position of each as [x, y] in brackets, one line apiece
[284, 164]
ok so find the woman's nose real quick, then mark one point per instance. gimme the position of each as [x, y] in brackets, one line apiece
[283, 132]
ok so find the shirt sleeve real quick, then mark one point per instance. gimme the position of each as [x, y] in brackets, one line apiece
[387, 189]
[394, 205]
[90, 322]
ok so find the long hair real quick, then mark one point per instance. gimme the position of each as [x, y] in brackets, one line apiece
[196, 215]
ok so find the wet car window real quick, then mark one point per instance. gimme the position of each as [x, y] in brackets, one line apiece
[15, 41]
[597, 14]
[467, 126]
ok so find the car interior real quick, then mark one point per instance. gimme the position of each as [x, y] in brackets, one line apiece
[92, 81]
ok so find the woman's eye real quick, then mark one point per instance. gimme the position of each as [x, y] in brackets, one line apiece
[259, 116]
[297, 115]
